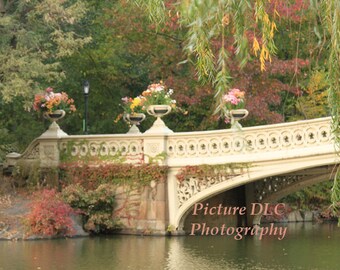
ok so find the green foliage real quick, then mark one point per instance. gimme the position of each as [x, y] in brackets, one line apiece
[327, 31]
[18, 127]
[224, 48]
[116, 65]
[31, 175]
[6, 148]
[96, 206]
[155, 9]
[35, 35]
[316, 197]
[199, 117]
[128, 55]
[27, 174]
[313, 103]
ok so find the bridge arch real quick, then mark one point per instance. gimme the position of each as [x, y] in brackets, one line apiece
[256, 173]
[312, 177]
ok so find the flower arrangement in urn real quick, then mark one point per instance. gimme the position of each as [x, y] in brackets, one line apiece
[234, 99]
[158, 94]
[158, 101]
[155, 100]
[234, 102]
[49, 102]
[133, 112]
[133, 105]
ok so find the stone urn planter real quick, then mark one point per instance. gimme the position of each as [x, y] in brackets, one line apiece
[55, 115]
[235, 116]
[134, 119]
[54, 131]
[159, 111]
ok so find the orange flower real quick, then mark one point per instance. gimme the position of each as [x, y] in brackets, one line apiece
[50, 101]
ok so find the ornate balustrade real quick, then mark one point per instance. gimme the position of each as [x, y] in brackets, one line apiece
[104, 147]
[248, 144]
[186, 148]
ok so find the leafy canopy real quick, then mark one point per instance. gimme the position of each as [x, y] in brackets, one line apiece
[35, 36]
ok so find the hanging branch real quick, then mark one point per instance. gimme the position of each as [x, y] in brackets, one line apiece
[331, 11]
[208, 21]
[209, 24]
[154, 8]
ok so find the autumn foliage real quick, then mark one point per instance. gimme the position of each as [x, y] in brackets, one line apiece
[90, 176]
[49, 215]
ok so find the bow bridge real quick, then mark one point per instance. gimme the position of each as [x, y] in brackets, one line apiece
[269, 162]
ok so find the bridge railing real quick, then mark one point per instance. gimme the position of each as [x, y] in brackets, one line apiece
[249, 143]
[182, 148]
[104, 147]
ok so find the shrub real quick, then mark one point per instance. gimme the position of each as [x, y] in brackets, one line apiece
[50, 215]
[96, 206]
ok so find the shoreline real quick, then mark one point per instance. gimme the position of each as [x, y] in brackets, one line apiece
[13, 208]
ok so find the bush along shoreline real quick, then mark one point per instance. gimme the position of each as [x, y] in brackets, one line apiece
[71, 201]
[70, 206]
[47, 214]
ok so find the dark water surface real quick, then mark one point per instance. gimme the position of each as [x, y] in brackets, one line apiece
[306, 246]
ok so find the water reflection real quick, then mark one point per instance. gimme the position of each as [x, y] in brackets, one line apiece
[306, 246]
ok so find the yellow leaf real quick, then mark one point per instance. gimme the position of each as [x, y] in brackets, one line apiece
[272, 29]
[266, 19]
[256, 46]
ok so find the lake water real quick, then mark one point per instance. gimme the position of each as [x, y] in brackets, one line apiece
[305, 246]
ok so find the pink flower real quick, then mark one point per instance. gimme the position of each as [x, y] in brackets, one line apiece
[234, 101]
[234, 97]
[237, 93]
[230, 98]
[125, 99]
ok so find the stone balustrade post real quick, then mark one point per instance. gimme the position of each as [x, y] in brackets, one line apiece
[49, 153]
[155, 146]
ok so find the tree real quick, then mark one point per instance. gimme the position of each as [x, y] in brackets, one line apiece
[211, 23]
[35, 36]
[230, 43]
